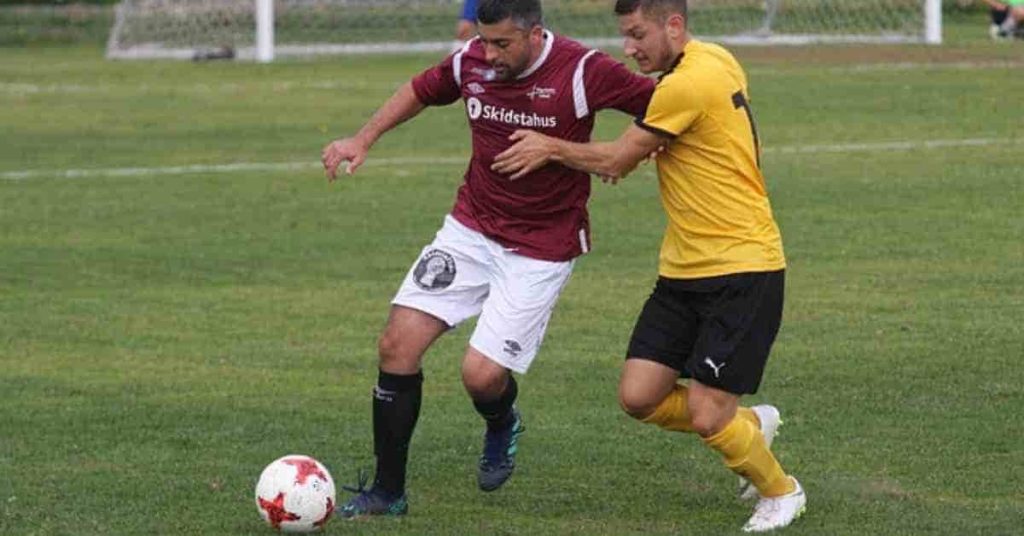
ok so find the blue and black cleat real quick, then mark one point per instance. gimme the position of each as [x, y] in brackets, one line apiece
[499, 457]
[371, 502]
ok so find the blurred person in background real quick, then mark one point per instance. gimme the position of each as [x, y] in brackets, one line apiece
[1006, 18]
[465, 29]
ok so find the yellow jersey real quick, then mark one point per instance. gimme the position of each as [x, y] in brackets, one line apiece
[719, 217]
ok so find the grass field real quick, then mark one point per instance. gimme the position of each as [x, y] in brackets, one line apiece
[167, 330]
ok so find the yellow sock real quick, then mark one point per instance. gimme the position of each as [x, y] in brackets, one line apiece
[748, 414]
[742, 446]
[672, 413]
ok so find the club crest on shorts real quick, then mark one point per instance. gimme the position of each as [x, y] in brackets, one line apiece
[435, 271]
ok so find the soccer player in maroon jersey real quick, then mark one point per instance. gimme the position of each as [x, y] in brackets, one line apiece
[507, 248]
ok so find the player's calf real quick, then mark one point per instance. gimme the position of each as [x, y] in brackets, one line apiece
[769, 420]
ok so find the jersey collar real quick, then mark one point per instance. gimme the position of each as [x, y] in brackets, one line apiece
[678, 60]
[549, 41]
[672, 67]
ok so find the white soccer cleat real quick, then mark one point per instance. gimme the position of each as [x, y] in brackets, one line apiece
[772, 513]
[770, 422]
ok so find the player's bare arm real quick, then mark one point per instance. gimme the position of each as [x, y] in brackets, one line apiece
[402, 106]
[611, 160]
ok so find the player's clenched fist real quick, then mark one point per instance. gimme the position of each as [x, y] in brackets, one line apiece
[350, 150]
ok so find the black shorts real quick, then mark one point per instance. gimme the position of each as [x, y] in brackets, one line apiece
[717, 330]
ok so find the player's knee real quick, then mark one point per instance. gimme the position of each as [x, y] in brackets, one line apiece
[636, 404]
[482, 386]
[483, 383]
[393, 354]
[708, 423]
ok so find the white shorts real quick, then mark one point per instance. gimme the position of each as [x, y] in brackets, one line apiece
[463, 274]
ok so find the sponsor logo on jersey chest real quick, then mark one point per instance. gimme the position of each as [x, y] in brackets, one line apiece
[537, 92]
[478, 110]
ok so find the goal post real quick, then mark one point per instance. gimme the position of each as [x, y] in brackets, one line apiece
[263, 30]
[933, 22]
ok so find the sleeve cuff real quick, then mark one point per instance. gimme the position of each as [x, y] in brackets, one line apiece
[418, 92]
[653, 130]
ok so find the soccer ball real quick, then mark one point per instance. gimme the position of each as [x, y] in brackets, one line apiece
[295, 493]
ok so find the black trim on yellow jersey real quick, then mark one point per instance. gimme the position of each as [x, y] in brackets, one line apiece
[639, 121]
[672, 67]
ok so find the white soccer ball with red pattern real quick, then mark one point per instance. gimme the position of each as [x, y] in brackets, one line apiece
[295, 493]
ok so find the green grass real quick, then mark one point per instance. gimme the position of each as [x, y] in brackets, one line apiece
[163, 337]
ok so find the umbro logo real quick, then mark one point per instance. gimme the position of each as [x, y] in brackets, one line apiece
[475, 88]
[512, 348]
[714, 367]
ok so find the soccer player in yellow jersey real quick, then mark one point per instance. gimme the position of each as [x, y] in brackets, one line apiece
[717, 304]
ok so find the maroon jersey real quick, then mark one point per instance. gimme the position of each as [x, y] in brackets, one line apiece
[542, 215]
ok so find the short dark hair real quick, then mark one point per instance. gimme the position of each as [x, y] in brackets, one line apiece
[660, 7]
[525, 13]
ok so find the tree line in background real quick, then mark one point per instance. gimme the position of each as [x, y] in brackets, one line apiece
[50, 22]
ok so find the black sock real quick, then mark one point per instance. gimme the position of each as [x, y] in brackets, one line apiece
[498, 413]
[396, 407]
[999, 15]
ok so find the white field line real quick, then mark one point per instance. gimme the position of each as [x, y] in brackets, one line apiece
[219, 168]
[135, 172]
[893, 67]
[23, 88]
[938, 66]
[891, 146]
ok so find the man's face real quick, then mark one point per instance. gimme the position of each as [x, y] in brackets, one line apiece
[646, 41]
[509, 48]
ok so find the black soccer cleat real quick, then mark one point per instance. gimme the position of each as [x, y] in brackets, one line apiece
[371, 502]
[499, 457]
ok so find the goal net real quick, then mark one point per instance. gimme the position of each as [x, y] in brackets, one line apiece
[188, 29]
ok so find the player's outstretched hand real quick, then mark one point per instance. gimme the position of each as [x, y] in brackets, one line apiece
[530, 151]
[349, 150]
